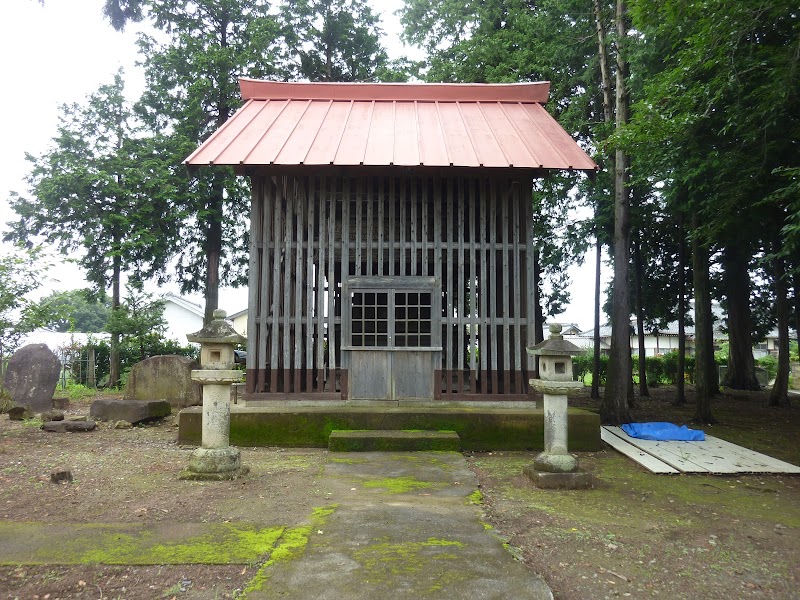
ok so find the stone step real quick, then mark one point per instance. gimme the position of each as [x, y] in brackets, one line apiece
[381, 440]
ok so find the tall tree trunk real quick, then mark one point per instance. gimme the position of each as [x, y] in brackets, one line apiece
[704, 348]
[608, 116]
[741, 373]
[638, 269]
[213, 248]
[614, 409]
[114, 371]
[596, 362]
[680, 376]
[780, 389]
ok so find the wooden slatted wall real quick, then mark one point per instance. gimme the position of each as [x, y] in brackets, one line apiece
[471, 234]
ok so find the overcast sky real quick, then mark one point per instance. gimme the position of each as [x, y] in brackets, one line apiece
[63, 51]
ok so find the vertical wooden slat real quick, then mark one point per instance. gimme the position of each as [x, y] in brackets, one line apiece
[493, 289]
[276, 288]
[437, 259]
[309, 357]
[474, 308]
[483, 287]
[323, 222]
[413, 205]
[426, 202]
[392, 233]
[290, 204]
[519, 293]
[530, 280]
[451, 233]
[331, 384]
[462, 200]
[402, 204]
[506, 233]
[366, 186]
[302, 202]
[380, 196]
[347, 198]
[265, 328]
[358, 204]
[347, 194]
[255, 282]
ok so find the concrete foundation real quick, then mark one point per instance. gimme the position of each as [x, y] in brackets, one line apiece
[479, 429]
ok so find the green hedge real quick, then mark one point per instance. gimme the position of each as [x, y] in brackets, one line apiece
[660, 369]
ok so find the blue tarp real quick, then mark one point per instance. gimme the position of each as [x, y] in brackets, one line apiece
[663, 432]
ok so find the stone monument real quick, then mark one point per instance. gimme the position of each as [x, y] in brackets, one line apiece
[31, 377]
[556, 467]
[216, 459]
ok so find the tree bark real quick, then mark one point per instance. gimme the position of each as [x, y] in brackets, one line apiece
[605, 84]
[596, 362]
[741, 374]
[614, 409]
[680, 376]
[780, 389]
[704, 348]
[637, 262]
[114, 371]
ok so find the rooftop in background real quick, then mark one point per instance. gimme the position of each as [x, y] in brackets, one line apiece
[393, 124]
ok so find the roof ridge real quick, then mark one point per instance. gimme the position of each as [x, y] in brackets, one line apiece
[530, 92]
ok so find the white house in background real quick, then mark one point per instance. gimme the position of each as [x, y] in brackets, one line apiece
[239, 320]
[181, 317]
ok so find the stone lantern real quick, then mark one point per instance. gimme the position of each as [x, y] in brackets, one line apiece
[556, 467]
[216, 459]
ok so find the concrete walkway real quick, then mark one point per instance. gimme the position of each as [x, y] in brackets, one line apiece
[400, 525]
[392, 525]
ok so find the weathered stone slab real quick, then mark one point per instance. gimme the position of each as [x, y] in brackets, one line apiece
[52, 415]
[68, 426]
[20, 413]
[165, 378]
[132, 411]
[31, 377]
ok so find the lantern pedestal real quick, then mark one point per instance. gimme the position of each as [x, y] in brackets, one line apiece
[556, 467]
[216, 459]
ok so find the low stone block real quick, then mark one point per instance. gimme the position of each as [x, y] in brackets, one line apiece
[68, 426]
[61, 476]
[132, 411]
[20, 413]
[577, 480]
[52, 415]
[60, 403]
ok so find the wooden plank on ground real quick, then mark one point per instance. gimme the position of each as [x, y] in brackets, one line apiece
[676, 455]
[750, 461]
[649, 462]
[711, 455]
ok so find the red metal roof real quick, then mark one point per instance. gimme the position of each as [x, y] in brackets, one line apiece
[383, 124]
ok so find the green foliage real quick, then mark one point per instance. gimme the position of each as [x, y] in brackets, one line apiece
[332, 40]
[132, 352]
[769, 364]
[138, 319]
[93, 192]
[22, 271]
[76, 310]
[191, 72]
[583, 367]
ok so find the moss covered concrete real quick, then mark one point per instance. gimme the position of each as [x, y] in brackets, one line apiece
[133, 544]
[478, 428]
[382, 440]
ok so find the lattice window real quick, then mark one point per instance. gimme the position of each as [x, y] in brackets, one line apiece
[391, 314]
[370, 319]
